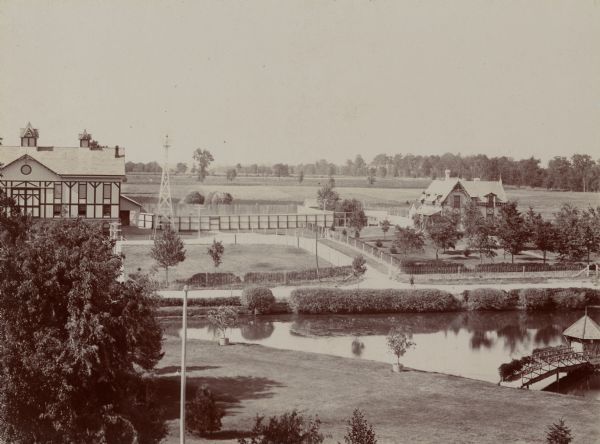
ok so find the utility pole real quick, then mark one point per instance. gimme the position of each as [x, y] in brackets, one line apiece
[165, 204]
[183, 365]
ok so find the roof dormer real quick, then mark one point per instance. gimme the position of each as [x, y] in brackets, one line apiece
[84, 139]
[29, 135]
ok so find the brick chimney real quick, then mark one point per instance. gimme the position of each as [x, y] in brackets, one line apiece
[447, 172]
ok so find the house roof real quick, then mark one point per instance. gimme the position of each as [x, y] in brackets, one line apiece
[134, 202]
[584, 328]
[70, 161]
[438, 190]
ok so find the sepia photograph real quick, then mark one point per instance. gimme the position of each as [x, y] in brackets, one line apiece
[299, 222]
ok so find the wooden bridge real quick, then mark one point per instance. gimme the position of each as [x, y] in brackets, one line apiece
[555, 360]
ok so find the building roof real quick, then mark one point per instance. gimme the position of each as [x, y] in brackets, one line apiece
[70, 161]
[585, 328]
[438, 190]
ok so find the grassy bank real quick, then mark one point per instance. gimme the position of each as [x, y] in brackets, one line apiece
[408, 407]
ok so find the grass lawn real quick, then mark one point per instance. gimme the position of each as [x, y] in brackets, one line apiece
[238, 259]
[411, 406]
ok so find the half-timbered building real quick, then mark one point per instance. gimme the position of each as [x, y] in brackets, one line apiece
[66, 182]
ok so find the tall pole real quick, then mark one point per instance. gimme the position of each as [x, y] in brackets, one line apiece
[183, 359]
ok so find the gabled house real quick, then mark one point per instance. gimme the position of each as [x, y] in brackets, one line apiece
[455, 194]
[66, 182]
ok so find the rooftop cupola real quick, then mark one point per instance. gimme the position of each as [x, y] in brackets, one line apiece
[84, 139]
[29, 135]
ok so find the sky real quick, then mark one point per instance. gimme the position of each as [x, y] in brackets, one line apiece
[267, 81]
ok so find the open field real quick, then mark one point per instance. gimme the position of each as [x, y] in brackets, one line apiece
[411, 406]
[238, 259]
[386, 192]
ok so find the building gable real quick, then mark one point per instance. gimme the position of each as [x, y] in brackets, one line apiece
[27, 168]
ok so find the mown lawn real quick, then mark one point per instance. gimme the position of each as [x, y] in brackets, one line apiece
[408, 407]
[238, 259]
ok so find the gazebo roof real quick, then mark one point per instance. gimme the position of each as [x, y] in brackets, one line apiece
[585, 329]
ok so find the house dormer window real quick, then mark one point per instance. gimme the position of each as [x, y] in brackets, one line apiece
[29, 136]
[490, 201]
[456, 202]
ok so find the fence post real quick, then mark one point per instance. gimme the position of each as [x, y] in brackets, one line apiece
[523, 270]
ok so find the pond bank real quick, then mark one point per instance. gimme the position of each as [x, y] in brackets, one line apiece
[412, 406]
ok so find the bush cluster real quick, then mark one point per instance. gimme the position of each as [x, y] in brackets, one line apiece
[504, 267]
[310, 274]
[211, 279]
[430, 267]
[510, 371]
[259, 299]
[490, 299]
[530, 299]
[335, 300]
[200, 302]
[444, 267]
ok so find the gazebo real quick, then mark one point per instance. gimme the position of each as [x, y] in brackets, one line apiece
[584, 335]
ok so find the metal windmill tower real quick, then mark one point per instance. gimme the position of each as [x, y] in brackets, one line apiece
[165, 205]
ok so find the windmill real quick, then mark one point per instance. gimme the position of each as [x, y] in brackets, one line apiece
[164, 213]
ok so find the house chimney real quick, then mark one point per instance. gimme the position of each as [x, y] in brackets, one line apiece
[447, 172]
[85, 139]
[119, 152]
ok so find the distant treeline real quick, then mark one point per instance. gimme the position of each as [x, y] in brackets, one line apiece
[578, 173]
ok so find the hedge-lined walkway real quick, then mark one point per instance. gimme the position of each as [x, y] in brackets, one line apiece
[411, 406]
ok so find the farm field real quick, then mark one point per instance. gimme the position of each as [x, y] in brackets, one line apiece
[238, 259]
[385, 192]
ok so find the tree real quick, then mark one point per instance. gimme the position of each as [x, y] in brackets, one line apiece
[542, 232]
[570, 233]
[355, 215]
[203, 416]
[583, 165]
[512, 231]
[289, 428]
[222, 318]
[408, 240]
[194, 198]
[327, 197]
[181, 168]
[443, 231]
[385, 226]
[74, 342]
[168, 250]
[231, 174]
[301, 176]
[399, 342]
[203, 159]
[280, 169]
[559, 433]
[472, 220]
[484, 240]
[14, 225]
[216, 251]
[359, 265]
[359, 431]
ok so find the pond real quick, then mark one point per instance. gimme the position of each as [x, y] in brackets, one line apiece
[469, 344]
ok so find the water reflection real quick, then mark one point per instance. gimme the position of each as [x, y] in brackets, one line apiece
[464, 343]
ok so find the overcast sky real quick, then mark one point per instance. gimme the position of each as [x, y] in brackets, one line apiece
[296, 81]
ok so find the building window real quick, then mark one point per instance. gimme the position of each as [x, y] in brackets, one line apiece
[106, 191]
[456, 202]
[57, 210]
[81, 210]
[82, 191]
[57, 191]
[491, 200]
[105, 210]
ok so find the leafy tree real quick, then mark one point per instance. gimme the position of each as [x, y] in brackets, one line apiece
[399, 342]
[355, 215]
[222, 318]
[327, 197]
[385, 226]
[583, 165]
[74, 341]
[280, 169]
[219, 198]
[472, 220]
[512, 230]
[13, 224]
[289, 428]
[168, 250]
[408, 240]
[216, 251]
[181, 168]
[301, 176]
[203, 159]
[542, 232]
[443, 231]
[203, 416]
[559, 433]
[570, 233]
[194, 198]
[485, 241]
[231, 174]
[359, 431]
[359, 265]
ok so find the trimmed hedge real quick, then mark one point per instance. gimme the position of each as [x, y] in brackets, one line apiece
[489, 299]
[530, 299]
[297, 276]
[335, 300]
[505, 267]
[430, 267]
[200, 302]
[260, 299]
[211, 279]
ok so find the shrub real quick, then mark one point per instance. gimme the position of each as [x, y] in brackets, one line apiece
[359, 431]
[296, 276]
[399, 341]
[569, 298]
[194, 198]
[393, 250]
[533, 299]
[257, 299]
[219, 197]
[466, 252]
[344, 232]
[359, 265]
[489, 299]
[212, 279]
[200, 302]
[289, 428]
[222, 318]
[203, 416]
[430, 267]
[379, 244]
[337, 300]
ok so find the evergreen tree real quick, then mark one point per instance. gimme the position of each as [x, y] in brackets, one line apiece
[359, 431]
[542, 232]
[203, 416]
[512, 230]
[559, 433]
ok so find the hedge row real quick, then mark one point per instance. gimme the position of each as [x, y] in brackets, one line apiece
[200, 302]
[530, 299]
[335, 300]
[211, 279]
[441, 267]
[297, 276]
